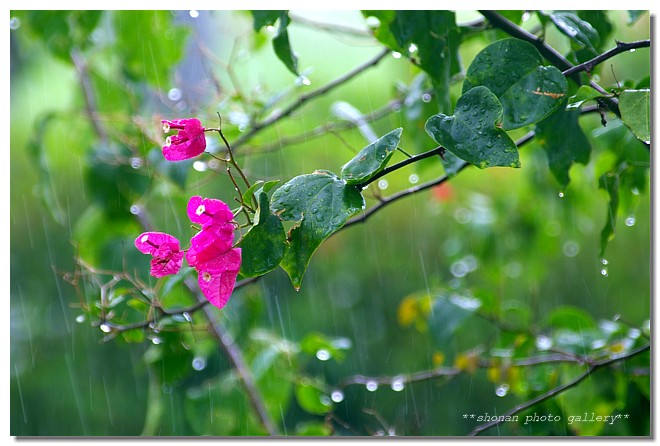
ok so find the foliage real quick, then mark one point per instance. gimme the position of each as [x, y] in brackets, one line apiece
[482, 273]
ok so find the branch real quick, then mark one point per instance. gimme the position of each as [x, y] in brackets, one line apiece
[257, 127]
[621, 47]
[557, 390]
[331, 27]
[88, 93]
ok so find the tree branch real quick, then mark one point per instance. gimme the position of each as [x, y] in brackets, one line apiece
[621, 47]
[557, 390]
[258, 126]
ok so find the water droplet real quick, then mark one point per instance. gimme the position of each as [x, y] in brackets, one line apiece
[604, 261]
[14, 23]
[156, 340]
[463, 215]
[382, 184]
[342, 343]
[105, 328]
[513, 269]
[372, 22]
[458, 269]
[632, 50]
[630, 221]
[187, 316]
[396, 55]
[603, 272]
[135, 209]
[543, 343]
[174, 95]
[526, 16]
[598, 343]
[200, 166]
[80, 318]
[199, 363]
[502, 390]
[635, 191]
[571, 248]
[337, 396]
[136, 162]
[323, 355]
[561, 195]
[303, 80]
[412, 48]
[270, 28]
[398, 383]
[193, 13]
[634, 333]
[414, 179]
[372, 386]
[426, 97]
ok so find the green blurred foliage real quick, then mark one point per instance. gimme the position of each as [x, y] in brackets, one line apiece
[491, 269]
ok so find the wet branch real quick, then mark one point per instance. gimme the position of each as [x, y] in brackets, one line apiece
[88, 93]
[302, 100]
[558, 390]
[621, 47]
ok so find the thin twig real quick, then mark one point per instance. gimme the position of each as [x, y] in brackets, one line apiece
[302, 100]
[557, 390]
[88, 93]
[621, 47]
[331, 27]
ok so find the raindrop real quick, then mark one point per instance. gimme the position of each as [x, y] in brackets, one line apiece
[571, 248]
[325, 400]
[412, 48]
[105, 328]
[187, 316]
[323, 355]
[200, 166]
[80, 318]
[303, 80]
[372, 386]
[426, 97]
[199, 363]
[458, 269]
[595, 78]
[471, 262]
[337, 396]
[15, 23]
[194, 13]
[398, 383]
[372, 22]
[155, 340]
[561, 195]
[502, 390]
[135, 209]
[382, 184]
[174, 95]
[270, 28]
[463, 215]
[526, 16]
[543, 343]
[598, 343]
[414, 179]
[604, 261]
[342, 343]
[136, 162]
[635, 191]
[603, 272]
[630, 221]
[634, 333]
[632, 50]
[396, 55]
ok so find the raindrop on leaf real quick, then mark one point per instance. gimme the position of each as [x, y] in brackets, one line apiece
[372, 386]
[630, 221]
[105, 328]
[80, 318]
[382, 184]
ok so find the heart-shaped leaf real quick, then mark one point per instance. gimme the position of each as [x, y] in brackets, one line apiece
[635, 108]
[322, 203]
[513, 70]
[264, 244]
[372, 159]
[472, 133]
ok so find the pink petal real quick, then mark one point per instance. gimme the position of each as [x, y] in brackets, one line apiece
[188, 143]
[205, 211]
[215, 281]
[161, 267]
[209, 243]
[150, 242]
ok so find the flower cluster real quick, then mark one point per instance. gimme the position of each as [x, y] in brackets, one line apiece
[187, 143]
[210, 253]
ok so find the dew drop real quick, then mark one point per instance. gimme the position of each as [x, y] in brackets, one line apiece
[80, 318]
[630, 221]
[105, 328]
[561, 195]
[372, 386]
[604, 261]
[412, 48]
[135, 209]
[337, 396]
[323, 355]
[193, 13]
[458, 269]
[199, 363]
[414, 179]
[156, 341]
[382, 184]
[398, 383]
[603, 272]
[635, 191]
[632, 50]
[502, 390]
[174, 95]
[543, 343]
[426, 97]
[396, 55]
[325, 400]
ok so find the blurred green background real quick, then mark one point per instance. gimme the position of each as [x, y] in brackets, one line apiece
[502, 233]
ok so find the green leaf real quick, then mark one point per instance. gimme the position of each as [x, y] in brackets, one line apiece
[313, 429]
[281, 43]
[314, 342]
[322, 203]
[610, 183]
[264, 244]
[311, 399]
[435, 40]
[565, 147]
[448, 314]
[579, 31]
[600, 22]
[583, 94]
[633, 16]
[151, 44]
[372, 159]
[472, 133]
[512, 69]
[265, 18]
[258, 187]
[635, 108]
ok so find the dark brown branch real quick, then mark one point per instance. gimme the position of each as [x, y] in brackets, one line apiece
[302, 100]
[621, 47]
[558, 390]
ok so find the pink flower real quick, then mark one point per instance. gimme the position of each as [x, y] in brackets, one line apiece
[205, 211]
[217, 277]
[188, 143]
[167, 256]
[209, 243]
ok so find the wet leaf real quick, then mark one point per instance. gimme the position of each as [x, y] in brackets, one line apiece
[472, 133]
[264, 244]
[610, 183]
[311, 398]
[635, 108]
[633, 16]
[322, 203]
[579, 31]
[583, 94]
[447, 315]
[513, 70]
[281, 43]
[372, 159]
[565, 147]
[314, 342]
[600, 22]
